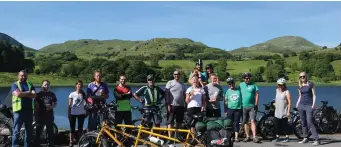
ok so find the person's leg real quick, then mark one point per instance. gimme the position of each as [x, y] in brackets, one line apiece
[80, 124]
[18, 121]
[217, 113]
[302, 113]
[285, 129]
[72, 121]
[50, 133]
[246, 123]
[28, 120]
[253, 114]
[180, 112]
[92, 121]
[311, 125]
[171, 119]
[278, 126]
[231, 114]
[39, 128]
[209, 113]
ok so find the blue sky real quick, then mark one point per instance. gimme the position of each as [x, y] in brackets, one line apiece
[226, 25]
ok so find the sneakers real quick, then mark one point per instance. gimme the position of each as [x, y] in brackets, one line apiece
[276, 140]
[256, 140]
[286, 139]
[247, 139]
[316, 142]
[305, 140]
[236, 140]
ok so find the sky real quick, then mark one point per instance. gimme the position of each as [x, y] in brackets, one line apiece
[225, 25]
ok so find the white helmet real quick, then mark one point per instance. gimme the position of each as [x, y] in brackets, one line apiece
[281, 81]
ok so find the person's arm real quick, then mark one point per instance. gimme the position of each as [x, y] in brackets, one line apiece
[69, 106]
[117, 95]
[139, 93]
[289, 102]
[36, 105]
[106, 91]
[203, 101]
[299, 98]
[23, 94]
[256, 95]
[225, 103]
[188, 95]
[162, 93]
[88, 91]
[54, 101]
[314, 95]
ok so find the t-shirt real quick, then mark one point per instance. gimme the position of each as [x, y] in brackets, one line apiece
[306, 94]
[195, 97]
[213, 90]
[45, 98]
[176, 96]
[233, 98]
[26, 103]
[123, 99]
[151, 96]
[92, 88]
[248, 93]
[78, 103]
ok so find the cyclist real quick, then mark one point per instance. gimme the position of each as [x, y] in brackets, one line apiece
[152, 98]
[233, 105]
[214, 94]
[209, 71]
[22, 105]
[305, 105]
[45, 101]
[96, 88]
[250, 97]
[175, 100]
[195, 99]
[282, 109]
[203, 75]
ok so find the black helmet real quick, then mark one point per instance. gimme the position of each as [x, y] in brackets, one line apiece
[209, 66]
[246, 74]
[2, 107]
[230, 81]
[199, 62]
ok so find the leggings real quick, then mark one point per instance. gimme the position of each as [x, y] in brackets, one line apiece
[193, 111]
[281, 126]
[235, 115]
[80, 122]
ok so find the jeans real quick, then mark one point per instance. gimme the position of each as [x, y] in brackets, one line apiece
[23, 116]
[48, 121]
[306, 115]
[93, 121]
[235, 115]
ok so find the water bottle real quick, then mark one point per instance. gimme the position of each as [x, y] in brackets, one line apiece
[156, 140]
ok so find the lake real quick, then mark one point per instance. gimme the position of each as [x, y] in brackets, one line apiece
[267, 93]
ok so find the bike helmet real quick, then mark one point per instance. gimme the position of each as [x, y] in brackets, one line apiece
[230, 81]
[281, 81]
[246, 74]
[209, 66]
[199, 62]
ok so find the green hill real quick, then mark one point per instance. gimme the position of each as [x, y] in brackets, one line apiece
[90, 48]
[12, 41]
[284, 44]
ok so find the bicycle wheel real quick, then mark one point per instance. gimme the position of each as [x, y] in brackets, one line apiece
[329, 122]
[267, 128]
[6, 125]
[297, 126]
[89, 140]
[44, 135]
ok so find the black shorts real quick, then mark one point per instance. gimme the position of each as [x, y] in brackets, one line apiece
[193, 111]
[176, 112]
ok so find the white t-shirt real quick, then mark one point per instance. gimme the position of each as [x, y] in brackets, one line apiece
[78, 103]
[196, 98]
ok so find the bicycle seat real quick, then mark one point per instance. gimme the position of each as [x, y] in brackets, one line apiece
[295, 109]
[324, 102]
[196, 116]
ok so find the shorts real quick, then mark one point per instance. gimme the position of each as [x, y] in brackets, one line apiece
[178, 113]
[249, 113]
[213, 113]
[193, 111]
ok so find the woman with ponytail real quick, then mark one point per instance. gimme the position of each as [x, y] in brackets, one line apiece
[77, 101]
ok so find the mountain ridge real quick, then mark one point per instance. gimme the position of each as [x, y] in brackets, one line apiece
[13, 41]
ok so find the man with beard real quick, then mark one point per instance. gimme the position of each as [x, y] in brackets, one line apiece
[23, 106]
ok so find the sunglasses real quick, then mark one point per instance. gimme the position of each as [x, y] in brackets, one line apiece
[247, 78]
[176, 74]
[302, 77]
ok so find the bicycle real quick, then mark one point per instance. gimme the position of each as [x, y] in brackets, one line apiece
[6, 115]
[109, 132]
[328, 121]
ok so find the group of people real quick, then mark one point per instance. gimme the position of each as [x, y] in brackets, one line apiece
[204, 94]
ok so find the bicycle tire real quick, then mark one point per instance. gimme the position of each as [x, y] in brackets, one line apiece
[325, 125]
[267, 127]
[297, 126]
[89, 140]
[6, 140]
[43, 134]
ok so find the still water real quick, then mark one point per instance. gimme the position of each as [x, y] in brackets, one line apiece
[267, 93]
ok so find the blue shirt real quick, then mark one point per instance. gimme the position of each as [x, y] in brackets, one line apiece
[203, 76]
[26, 103]
[307, 94]
[92, 88]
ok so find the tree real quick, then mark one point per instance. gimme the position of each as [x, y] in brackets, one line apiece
[274, 72]
[304, 55]
[154, 62]
[324, 47]
[323, 69]
[285, 55]
[167, 72]
[138, 71]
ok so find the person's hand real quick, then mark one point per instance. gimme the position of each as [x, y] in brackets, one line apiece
[255, 107]
[296, 105]
[312, 106]
[128, 92]
[288, 114]
[225, 113]
[202, 109]
[169, 107]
